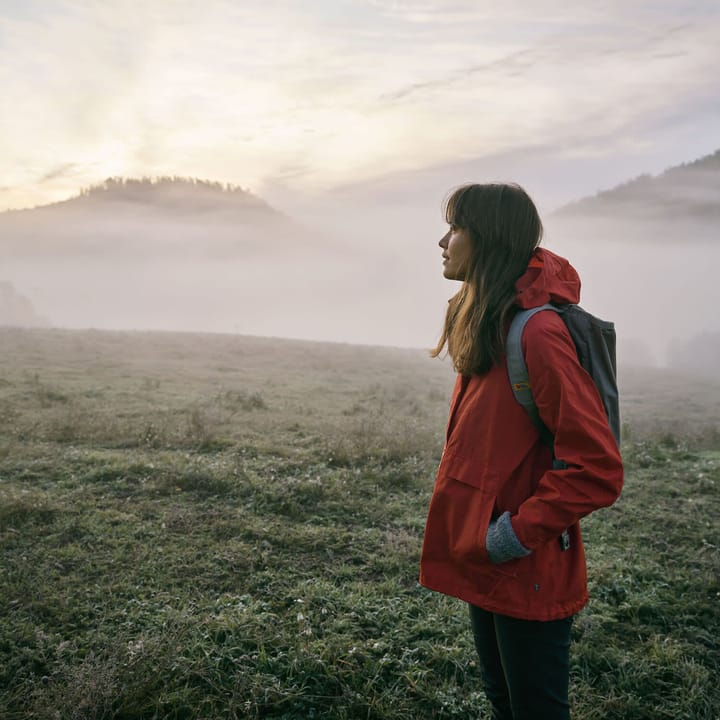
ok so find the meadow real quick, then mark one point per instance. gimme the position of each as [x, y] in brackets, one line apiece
[216, 526]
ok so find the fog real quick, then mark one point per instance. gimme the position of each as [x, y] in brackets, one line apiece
[347, 270]
[655, 294]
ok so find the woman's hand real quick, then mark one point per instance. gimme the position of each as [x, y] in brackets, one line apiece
[501, 542]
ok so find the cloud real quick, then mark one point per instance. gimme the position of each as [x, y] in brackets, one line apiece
[538, 12]
[60, 171]
[509, 64]
[319, 95]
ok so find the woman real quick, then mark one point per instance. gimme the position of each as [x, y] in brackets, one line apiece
[499, 508]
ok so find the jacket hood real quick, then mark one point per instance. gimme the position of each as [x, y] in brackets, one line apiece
[548, 278]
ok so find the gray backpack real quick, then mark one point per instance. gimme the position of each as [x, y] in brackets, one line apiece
[595, 344]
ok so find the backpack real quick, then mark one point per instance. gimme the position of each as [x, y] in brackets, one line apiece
[595, 344]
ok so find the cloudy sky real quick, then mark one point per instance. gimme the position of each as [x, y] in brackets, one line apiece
[296, 99]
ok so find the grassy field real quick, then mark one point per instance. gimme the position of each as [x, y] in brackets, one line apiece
[204, 526]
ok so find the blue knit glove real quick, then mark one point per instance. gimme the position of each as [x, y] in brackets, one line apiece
[501, 541]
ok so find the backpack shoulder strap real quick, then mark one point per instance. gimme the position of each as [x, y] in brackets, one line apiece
[518, 372]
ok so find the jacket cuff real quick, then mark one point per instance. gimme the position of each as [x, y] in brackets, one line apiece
[502, 543]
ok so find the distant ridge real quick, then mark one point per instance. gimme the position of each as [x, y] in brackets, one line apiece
[147, 216]
[690, 191]
[183, 195]
[174, 192]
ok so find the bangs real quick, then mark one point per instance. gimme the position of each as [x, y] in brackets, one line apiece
[456, 207]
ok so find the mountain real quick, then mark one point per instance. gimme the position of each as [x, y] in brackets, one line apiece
[180, 254]
[122, 215]
[177, 194]
[684, 198]
[648, 252]
[182, 195]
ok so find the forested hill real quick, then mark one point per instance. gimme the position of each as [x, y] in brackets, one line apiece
[150, 214]
[173, 194]
[691, 189]
[179, 254]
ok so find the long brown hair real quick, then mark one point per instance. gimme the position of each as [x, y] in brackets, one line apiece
[505, 229]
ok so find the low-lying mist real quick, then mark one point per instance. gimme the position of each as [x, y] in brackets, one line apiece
[365, 275]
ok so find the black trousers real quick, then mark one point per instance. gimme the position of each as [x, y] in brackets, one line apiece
[524, 665]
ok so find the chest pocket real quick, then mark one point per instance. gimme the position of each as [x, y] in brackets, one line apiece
[490, 431]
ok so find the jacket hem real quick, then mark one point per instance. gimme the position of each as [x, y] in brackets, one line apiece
[555, 612]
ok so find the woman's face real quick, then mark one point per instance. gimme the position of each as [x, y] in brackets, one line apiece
[457, 252]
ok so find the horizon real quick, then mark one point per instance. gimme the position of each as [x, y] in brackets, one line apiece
[101, 185]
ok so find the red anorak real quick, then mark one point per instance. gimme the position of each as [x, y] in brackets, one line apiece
[494, 461]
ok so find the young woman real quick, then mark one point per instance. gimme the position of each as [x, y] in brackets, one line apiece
[499, 508]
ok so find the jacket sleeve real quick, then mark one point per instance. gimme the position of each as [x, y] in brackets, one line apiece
[570, 406]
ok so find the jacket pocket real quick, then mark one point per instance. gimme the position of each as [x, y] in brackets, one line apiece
[460, 512]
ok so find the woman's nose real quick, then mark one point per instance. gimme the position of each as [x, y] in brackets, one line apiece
[444, 241]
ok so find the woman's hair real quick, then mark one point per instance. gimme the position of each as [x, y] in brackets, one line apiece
[505, 229]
